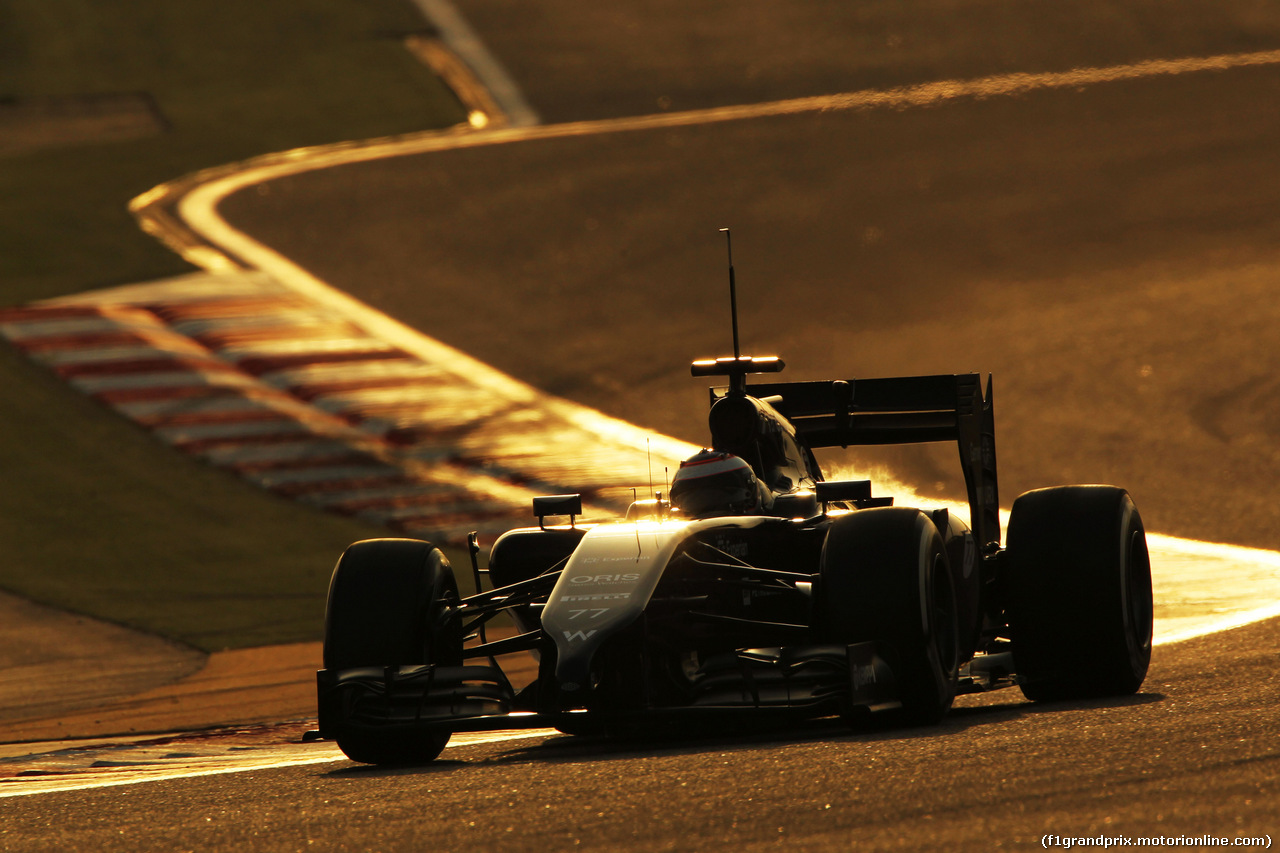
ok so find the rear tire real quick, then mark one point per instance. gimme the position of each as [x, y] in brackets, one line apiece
[886, 578]
[1080, 602]
[392, 602]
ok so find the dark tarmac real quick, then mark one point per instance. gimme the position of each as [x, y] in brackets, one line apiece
[1194, 753]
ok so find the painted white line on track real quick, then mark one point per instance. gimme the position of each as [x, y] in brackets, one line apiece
[111, 354]
[28, 786]
[136, 772]
[105, 384]
[23, 330]
[409, 371]
[198, 207]
[304, 449]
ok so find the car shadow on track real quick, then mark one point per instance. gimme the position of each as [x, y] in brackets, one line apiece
[555, 749]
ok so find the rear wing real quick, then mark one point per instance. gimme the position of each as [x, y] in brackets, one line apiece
[903, 410]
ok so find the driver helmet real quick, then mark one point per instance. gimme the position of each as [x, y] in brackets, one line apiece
[712, 483]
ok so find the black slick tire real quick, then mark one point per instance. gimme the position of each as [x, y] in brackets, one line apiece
[886, 578]
[1079, 593]
[392, 602]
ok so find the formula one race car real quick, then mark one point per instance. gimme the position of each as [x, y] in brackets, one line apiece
[757, 588]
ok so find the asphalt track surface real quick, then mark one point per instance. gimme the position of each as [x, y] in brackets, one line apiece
[1109, 253]
[1194, 753]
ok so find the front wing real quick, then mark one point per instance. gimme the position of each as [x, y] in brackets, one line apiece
[796, 681]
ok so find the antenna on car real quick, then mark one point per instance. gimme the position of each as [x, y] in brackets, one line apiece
[648, 452]
[733, 293]
[737, 366]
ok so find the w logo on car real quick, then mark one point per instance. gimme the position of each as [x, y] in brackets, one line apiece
[578, 635]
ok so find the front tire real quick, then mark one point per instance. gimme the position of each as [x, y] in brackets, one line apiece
[392, 602]
[886, 578]
[1080, 602]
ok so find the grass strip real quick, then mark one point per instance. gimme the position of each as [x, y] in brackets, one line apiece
[96, 516]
